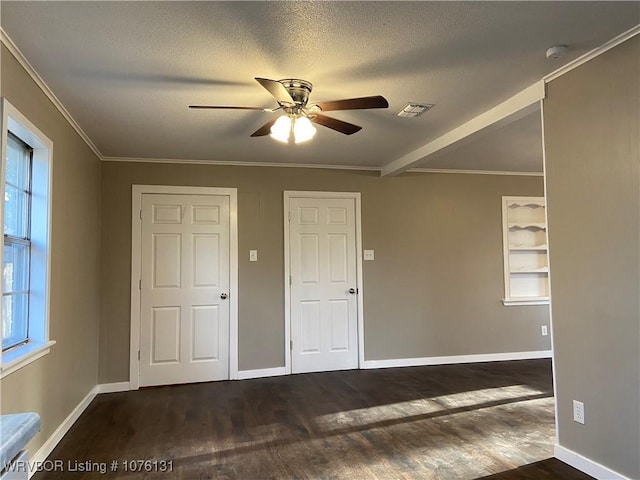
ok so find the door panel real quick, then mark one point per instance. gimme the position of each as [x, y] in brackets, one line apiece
[310, 326]
[339, 311]
[310, 258]
[206, 248]
[322, 243]
[338, 258]
[184, 322]
[165, 342]
[167, 214]
[206, 331]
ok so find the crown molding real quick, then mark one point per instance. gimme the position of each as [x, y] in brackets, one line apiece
[238, 164]
[22, 60]
[222, 163]
[476, 172]
[615, 41]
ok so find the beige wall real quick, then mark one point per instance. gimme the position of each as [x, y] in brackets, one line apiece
[56, 383]
[434, 288]
[593, 171]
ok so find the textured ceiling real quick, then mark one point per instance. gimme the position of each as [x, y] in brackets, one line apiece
[126, 71]
[516, 147]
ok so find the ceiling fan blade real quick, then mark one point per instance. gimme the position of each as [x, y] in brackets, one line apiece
[377, 101]
[335, 124]
[277, 90]
[226, 107]
[264, 129]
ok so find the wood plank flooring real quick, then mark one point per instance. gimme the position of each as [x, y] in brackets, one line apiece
[491, 421]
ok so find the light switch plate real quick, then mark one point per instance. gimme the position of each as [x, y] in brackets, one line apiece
[368, 255]
[253, 255]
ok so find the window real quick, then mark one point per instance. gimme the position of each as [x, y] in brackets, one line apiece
[16, 255]
[25, 214]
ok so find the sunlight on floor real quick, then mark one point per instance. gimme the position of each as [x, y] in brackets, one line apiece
[427, 406]
[482, 432]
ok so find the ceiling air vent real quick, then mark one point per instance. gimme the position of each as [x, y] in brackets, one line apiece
[412, 110]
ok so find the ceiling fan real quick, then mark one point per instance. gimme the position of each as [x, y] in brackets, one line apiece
[292, 95]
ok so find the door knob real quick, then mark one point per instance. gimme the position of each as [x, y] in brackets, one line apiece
[223, 296]
[352, 291]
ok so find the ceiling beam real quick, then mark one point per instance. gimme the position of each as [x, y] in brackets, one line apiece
[515, 108]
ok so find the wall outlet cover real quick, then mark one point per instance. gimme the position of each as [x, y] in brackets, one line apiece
[369, 255]
[578, 412]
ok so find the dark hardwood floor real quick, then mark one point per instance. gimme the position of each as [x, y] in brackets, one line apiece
[490, 421]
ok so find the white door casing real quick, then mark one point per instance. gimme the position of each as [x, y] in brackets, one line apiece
[323, 285]
[185, 261]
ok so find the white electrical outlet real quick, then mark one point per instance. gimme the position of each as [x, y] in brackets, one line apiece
[578, 412]
[544, 331]
[253, 255]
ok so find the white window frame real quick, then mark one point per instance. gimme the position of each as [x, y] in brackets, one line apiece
[38, 343]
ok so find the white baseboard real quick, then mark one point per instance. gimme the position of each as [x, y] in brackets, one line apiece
[413, 362]
[113, 387]
[484, 357]
[261, 373]
[585, 465]
[51, 443]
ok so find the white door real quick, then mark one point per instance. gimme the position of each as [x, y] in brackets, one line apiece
[184, 317]
[322, 256]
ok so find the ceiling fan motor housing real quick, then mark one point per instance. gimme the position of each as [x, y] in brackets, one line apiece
[292, 95]
[298, 89]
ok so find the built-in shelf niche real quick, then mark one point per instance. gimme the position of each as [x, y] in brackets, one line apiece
[526, 266]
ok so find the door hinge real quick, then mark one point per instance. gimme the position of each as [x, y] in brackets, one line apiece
[140, 214]
[138, 355]
[291, 345]
[140, 284]
[289, 215]
[290, 280]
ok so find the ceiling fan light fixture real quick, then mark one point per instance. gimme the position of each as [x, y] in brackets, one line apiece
[281, 130]
[303, 130]
[295, 123]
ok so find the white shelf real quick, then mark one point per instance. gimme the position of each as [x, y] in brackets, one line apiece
[522, 301]
[530, 270]
[526, 205]
[527, 248]
[525, 226]
[526, 271]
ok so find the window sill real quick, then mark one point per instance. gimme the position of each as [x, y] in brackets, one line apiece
[23, 355]
[516, 302]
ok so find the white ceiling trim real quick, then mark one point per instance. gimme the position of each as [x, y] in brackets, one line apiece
[308, 165]
[623, 37]
[238, 164]
[509, 111]
[15, 51]
[476, 172]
